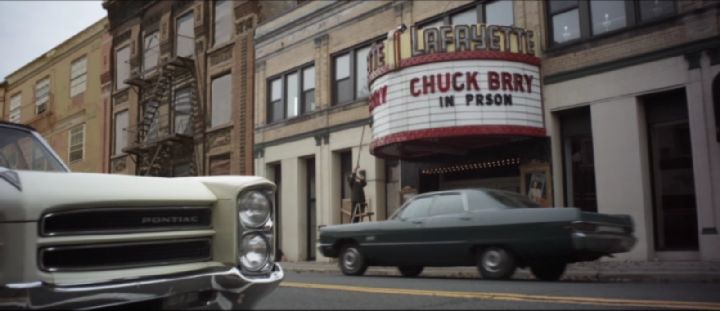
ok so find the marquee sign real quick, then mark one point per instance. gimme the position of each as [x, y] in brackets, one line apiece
[453, 83]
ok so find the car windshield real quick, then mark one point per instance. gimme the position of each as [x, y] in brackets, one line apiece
[511, 199]
[22, 150]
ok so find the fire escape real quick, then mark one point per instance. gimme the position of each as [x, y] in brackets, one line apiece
[168, 120]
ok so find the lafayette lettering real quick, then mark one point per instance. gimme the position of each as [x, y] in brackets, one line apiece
[471, 38]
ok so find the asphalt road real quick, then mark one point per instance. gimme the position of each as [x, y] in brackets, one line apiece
[306, 291]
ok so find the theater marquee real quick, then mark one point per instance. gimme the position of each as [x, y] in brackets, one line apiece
[460, 85]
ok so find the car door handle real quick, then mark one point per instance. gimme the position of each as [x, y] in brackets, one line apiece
[465, 218]
[417, 222]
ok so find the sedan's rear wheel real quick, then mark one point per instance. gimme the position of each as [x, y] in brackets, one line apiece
[495, 263]
[548, 270]
[410, 271]
[352, 261]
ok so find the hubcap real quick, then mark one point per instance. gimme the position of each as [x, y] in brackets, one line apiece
[350, 258]
[492, 260]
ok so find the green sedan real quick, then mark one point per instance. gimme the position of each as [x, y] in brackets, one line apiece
[497, 231]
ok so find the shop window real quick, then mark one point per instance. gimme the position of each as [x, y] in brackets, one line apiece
[220, 165]
[350, 75]
[15, 108]
[78, 76]
[122, 67]
[42, 95]
[670, 152]
[120, 136]
[291, 94]
[223, 23]
[151, 50]
[578, 159]
[185, 36]
[182, 111]
[77, 143]
[498, 13]
[221, 109]
[573, 21]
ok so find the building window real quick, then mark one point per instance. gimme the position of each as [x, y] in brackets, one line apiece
[578, 159]
[151, 52]
[182, 169]
[15, 108]
[291, 94]
[183, 111]
[350, 75]
[120, 135]
[574, 20]
[122, 67]
[185, 36]
[220, 165]
[490, 12]
[78, 76]
[42, 95]
[153, 116]
[221, 109]
[77, 143]
[223, 22]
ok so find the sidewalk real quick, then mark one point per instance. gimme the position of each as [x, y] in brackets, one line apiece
[613, 271]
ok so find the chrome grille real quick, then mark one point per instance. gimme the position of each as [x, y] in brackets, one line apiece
[124, 220]
[123, 255]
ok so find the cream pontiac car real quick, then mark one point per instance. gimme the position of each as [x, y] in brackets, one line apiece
[83, 241]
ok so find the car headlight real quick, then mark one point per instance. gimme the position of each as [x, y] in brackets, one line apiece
[253, 209]
[254, 251]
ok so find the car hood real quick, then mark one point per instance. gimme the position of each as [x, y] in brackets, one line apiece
[41, 191]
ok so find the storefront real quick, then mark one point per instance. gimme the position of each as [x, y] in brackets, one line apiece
[459, 106]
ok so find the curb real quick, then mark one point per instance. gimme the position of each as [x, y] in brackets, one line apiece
[524, 274]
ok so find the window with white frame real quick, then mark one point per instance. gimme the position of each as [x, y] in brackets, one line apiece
[185, 36]
[77, 143]
[221, 108]
[498, 13]
[151, 50]
[120, 134]
[78, 76]
[291, 94]
[350, 75]
[223, 24]
[15, 108]
[122, 67]
[575, 21]
[183, 111]
[42, 95]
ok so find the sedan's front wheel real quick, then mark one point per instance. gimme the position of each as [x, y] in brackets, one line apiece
[410, 271]
[352, 261]
[495, 263]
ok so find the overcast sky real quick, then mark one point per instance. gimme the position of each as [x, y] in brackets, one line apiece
[29, 28]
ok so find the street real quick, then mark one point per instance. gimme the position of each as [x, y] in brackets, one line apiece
[336, 291]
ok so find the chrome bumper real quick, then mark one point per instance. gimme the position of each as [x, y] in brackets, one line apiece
[602, 243]
[214, 288]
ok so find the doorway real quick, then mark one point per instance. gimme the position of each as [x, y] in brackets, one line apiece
[311, 198]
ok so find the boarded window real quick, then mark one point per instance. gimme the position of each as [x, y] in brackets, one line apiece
[151, 51]
[15, 108]
[42, 95]
[223, 22]
[78, 76]
[122, 67]
[220, 165]
[221, 109]
[185, 41]
[120, 135]
[77, 143]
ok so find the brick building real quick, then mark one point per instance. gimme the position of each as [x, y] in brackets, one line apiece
[59, 94]
[608, 82]
[180, 86]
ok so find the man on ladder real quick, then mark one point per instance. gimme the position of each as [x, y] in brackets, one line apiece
[357, 184]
